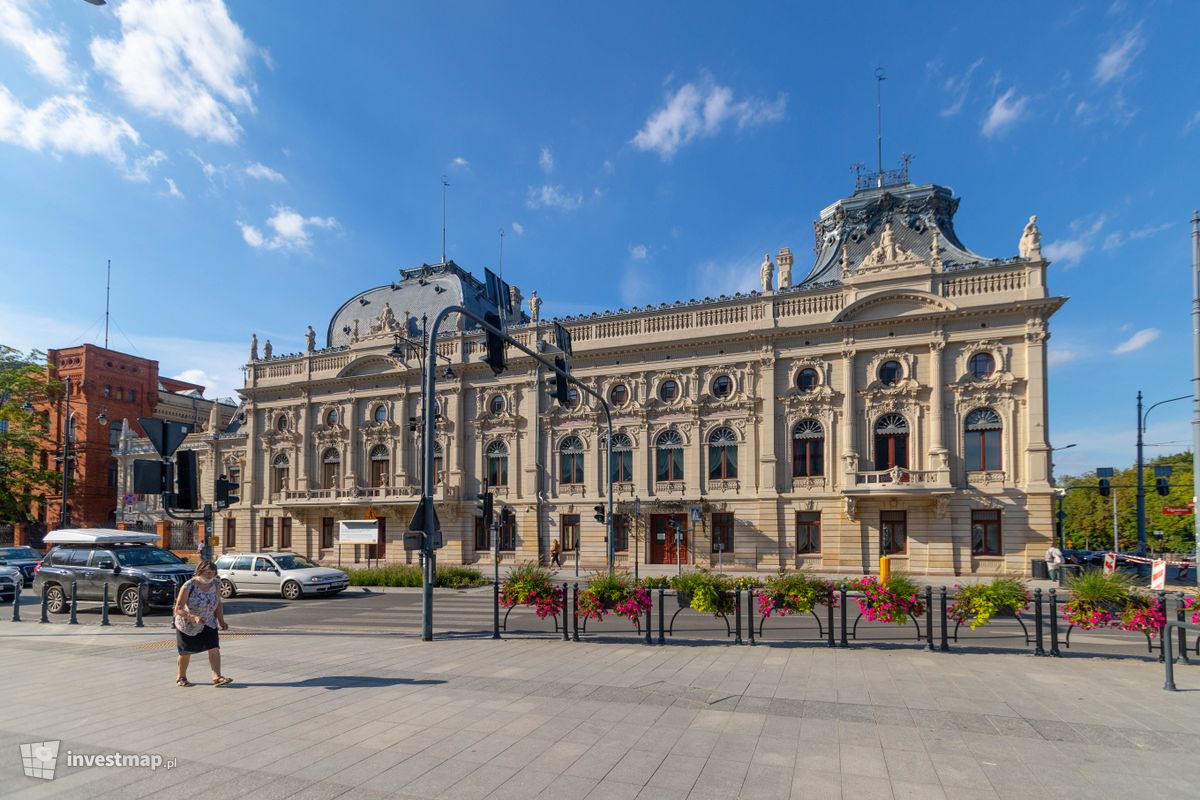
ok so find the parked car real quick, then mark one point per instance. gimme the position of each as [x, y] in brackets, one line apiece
[287, 574]
[25, 559]
[10, 578]
[124, 560]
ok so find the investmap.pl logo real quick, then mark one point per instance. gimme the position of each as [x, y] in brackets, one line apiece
[39, 760]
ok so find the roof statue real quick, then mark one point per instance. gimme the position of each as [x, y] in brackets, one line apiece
[254, 347]
[386, 321]
[514, 300]
[1031, 241]
[267, 349]
[310, 339]
[535, 306]
[888, 251]
[766, 271]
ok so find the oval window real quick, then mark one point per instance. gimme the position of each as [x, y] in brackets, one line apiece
[806, 379]
[982, 365]
[497, 405]
[669, 391]
[619, 395]
[722, 386]
[890, 373]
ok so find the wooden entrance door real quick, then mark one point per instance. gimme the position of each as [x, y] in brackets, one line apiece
[662, 539]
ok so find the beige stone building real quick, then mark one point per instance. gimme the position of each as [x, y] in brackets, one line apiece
[891, 399]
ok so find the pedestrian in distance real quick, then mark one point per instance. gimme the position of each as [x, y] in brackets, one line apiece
[198, 616]
[556, 554]
[1054, 561]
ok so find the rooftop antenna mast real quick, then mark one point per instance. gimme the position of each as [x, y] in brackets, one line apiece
[879, 79]
[445, 186]
[107, 295]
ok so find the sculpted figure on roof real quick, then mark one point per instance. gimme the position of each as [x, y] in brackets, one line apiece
[766, 271]
[1031, 241]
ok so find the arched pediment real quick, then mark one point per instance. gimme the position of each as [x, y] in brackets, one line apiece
[893, 304]
[367, 365]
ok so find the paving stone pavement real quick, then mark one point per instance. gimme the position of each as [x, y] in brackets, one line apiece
[324, 716]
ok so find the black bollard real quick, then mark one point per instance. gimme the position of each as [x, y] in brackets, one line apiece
[45, 602]
[649, 617]
[495, 609]
[17, 601]
[1038, 650]
[1162, 607]
[662, 628]
[1169, 683]
[929, 615]
[1183, 656]
[737, 616]
[842, 604]
[141, 590]
[945, 638]
[567, 623]
[74, 602]
[1054, 623]
[575, 614]
[829, 625]
[750, 615]
[104, 606]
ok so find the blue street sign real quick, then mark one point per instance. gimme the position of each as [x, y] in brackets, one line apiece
[695, 513]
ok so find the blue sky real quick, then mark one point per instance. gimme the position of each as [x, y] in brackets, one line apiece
[247, 166]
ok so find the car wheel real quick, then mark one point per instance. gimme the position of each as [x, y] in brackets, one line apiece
[56, 600]
[228, 590]
[128, 600]
[291, 591]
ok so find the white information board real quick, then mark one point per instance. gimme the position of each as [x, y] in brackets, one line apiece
[358, 531]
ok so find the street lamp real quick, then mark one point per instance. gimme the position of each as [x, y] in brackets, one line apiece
[1060, 515]
[1141, 484]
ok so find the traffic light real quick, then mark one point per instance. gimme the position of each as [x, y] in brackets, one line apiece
[562, 388]
[186, 470]
[1162, 486]
[495, 356]
[486, 508]
[1104, 487]
[599, 515]
[507, 516]
[225, 492]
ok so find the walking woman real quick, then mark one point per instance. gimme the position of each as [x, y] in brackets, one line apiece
[556, 553]
[198, 615]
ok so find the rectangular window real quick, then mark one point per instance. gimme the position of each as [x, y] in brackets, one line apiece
[982, 450]
[133, 395]
[571, 467]
[622, 466]
[808, 532]
[985, 533]
[285, 533]
[483, 541]
[620, 533]
[230, 532]
[508, 534]
[722, 533]
[497, 470]
[114, 434]
[326, 533]
[569, 532]
[893, 532]
[268, 533]
[112, 474]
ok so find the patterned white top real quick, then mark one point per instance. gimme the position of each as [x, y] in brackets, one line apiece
[201, 601]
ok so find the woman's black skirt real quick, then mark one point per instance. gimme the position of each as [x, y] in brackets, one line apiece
[202, 642]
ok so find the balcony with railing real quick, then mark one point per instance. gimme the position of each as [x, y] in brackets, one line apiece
[899, 480]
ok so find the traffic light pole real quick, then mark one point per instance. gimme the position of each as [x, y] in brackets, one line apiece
[427, 447]
[1141, 481]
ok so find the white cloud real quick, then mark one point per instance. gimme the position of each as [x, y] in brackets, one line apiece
[959, 87]
[291, 230]
[638, 252]
[1004, 113]
[552, 197]
[173, 190]
[458, 162]
[46, 50]
[1192, 122]
[608, 165]
[1138, 340]
[1069, 252]
[700, 110]
[546, 160]
[635, 287]
[518, 228]
[1117, 59]
[713, 279]
[1117, 239]
[65, 125]
[263, 173]
[184, 61]
[1057, 358]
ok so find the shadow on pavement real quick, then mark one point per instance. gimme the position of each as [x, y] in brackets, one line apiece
[342, 682]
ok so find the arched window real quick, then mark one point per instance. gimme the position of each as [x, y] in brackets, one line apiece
[331, 417]
[981, 444]
[981, 366]
[722, 455]
[891, 442]
[622, 458]
[330, 463]
[570, 460]
[281, 423]
[808, 449]
[890, 373]
[668, 455]
[380, 460]
[497, 464]
[807, 379]
[381, 413]
[279, 468]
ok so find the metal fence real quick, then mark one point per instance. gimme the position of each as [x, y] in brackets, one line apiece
[182, 535]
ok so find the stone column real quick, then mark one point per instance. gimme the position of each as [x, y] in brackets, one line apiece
[354, 448]
[1037, 451]
[938, 459]
[768, 479]
[303, 479]
[850, 455]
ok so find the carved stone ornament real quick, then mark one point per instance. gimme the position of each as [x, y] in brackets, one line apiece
[1036, 331]
[888, 251]
[906, 361]
[941, 506]
[850, 508]
[1030, 246]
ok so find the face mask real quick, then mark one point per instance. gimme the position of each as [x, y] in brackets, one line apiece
[203, 580]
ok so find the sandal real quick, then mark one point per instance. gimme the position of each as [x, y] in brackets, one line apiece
[221, 681]
[184, 682]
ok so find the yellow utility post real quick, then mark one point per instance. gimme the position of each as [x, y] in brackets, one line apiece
[885, 568]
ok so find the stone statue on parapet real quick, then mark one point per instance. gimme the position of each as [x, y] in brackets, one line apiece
[310, 339]
[535, 306]
[766, 271]
[514, 300]
[1031, 241]
[254, 347]
[386, 321]
[267, 349]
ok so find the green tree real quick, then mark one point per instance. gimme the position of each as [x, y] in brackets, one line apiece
[24, 431]
[1089, 521]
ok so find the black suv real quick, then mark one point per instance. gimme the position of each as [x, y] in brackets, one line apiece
[23, 558]
[125, 566]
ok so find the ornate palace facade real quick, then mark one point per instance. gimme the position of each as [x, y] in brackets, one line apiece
[891, 400]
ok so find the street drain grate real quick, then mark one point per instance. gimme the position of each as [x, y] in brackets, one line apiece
[169, 644]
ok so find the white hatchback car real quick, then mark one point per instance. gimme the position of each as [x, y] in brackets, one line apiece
[288, 574]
